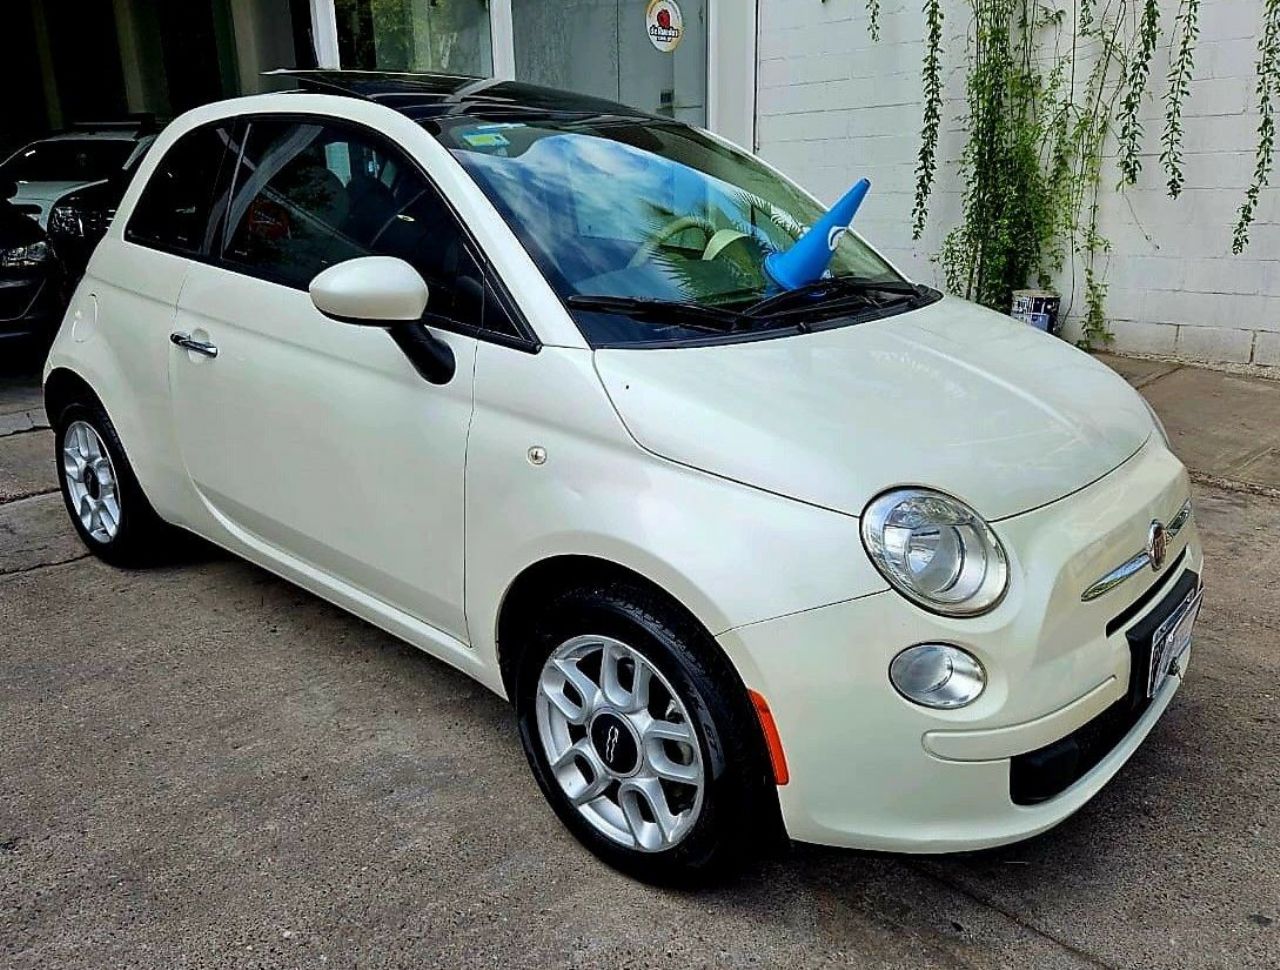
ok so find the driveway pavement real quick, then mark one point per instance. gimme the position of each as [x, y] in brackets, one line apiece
[206, 767]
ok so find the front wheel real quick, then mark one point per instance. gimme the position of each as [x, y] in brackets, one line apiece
[641, 737]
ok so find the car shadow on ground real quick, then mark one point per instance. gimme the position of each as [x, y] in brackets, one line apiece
[1121, 816]
[1117, 847]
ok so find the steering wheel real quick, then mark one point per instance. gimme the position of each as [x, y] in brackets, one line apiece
[672, 228]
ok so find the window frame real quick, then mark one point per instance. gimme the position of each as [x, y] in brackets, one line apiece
[129, 234]
[212, 252]
[525, 339]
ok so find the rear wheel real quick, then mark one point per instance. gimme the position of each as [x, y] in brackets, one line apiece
[106, 504]
[640, 736]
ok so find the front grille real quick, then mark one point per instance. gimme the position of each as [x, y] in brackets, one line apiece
[1047, 772]
[1125, 616]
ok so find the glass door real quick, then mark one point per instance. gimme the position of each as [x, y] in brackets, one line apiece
[650, 54]
[445, 36]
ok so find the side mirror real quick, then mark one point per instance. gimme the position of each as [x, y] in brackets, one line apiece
[377, 291]
[385, 291]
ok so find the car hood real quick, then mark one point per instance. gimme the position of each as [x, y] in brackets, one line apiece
[951, 396]
[45, 194]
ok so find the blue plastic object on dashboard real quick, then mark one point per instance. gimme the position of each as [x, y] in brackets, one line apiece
[808, 259]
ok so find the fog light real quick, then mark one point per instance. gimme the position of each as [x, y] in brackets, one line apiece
[937, 675]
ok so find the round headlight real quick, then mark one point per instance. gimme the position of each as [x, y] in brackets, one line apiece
[936, 551]
[937, 675]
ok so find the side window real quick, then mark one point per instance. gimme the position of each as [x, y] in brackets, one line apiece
[309, 195]
[173, 211]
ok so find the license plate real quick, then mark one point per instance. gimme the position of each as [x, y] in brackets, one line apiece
[1171, 640]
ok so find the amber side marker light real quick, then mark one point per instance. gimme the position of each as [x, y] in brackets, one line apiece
[776, 758]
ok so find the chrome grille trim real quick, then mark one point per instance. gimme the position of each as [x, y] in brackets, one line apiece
[1136, 563]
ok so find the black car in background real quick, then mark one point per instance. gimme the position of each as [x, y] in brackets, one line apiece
[49, 226]
[33, 283]
[88, 152]
[77, 221]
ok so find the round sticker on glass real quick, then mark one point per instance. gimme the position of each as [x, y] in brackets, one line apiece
[665, 24]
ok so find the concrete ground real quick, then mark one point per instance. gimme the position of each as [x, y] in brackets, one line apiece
[202, 766]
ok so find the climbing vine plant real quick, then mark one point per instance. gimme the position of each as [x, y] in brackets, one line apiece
[1015, 162]
[927, 161]
[1268, 90]
[1133, 89]
[1187, 27]
[1050, 88]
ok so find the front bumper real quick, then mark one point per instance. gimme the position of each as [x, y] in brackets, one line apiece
[872, 770]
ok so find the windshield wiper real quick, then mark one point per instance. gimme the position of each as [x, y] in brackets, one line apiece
[830, 292]
[692, 315]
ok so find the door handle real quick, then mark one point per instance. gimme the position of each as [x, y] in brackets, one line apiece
[186, 341]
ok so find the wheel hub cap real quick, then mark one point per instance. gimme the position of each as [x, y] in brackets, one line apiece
[615, 743]
[91, 481]
[620, 743]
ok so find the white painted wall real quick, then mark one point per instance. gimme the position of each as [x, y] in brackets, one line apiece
[731, 70]
[832, 106]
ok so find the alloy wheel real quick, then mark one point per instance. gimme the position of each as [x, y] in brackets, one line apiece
[91, 481]
[620, 743]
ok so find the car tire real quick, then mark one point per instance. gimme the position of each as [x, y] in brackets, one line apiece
[106, 504]
[696, 739]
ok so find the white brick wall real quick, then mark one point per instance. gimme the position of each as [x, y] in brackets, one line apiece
[832, 106]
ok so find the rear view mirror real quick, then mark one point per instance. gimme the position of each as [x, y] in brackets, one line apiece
[377, 291]
[384, 291]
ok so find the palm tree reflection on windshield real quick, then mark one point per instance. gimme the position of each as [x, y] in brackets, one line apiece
[724, 269]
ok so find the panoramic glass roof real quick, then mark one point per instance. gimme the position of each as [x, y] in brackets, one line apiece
[424, 97]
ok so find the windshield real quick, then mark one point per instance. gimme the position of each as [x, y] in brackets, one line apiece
[643, 210]
[68, 160]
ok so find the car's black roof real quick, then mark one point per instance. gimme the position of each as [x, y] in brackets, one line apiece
[426, 97]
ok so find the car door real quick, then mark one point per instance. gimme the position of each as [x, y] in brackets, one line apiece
[312, 442]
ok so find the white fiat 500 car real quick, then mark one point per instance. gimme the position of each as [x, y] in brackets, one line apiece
[503, 371]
